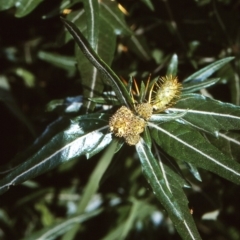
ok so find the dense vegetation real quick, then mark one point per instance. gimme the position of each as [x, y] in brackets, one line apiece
[64, 173]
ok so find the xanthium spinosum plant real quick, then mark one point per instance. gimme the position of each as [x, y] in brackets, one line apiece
[158, 96]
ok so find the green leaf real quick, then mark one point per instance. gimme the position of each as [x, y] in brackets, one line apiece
[61, 61]
[91, 8]
[60, 228]
[196, 86]
[108, 100]
[104, 69]
[186, 144]
[4, 5]
[110, 12]
[167, 186]
[138, 44]
[127, 218]
[59, 7]
[92, 84]
[194, 171]
[115, 18]
[7, 99]
[90, 76]
[173, 66]
[228, 143]
[207, 71]
[208, 114]
[149, 4]
[25, 7]
[92, 186]
[86, 135]
[166, 117]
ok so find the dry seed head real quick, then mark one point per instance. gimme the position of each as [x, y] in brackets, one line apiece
[167, 92]
[136, 126]
[132, 139]
[120, 121]
[125, 124]
[144, 110]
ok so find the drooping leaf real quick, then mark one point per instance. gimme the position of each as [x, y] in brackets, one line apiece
[208, 114]
[184, 143]
[207, 71]
[86, 135]
[167, 186]
[104, 69]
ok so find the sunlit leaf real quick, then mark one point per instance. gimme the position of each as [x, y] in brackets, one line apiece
[186, 144]
[208, 114]
[85, 135]
[168, 190]
[207, 71]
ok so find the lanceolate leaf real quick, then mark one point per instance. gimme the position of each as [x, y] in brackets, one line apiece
[167, 186]
[104, 69]
[186, 144]
[207, 71]
[56, 230]
[86, 135]
[91, 8]
[208, 114]
[90, 77]
[173, 66]
[61, 61]
[228, 143]
[193, 87]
